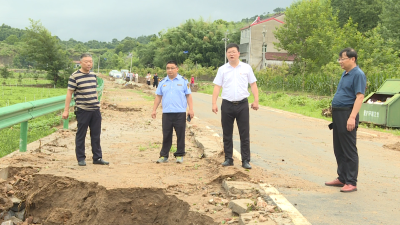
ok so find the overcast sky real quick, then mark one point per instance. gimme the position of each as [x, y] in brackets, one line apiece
[104, 20]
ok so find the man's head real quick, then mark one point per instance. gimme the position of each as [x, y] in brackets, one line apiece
[232, 52]
[172, 68]
[86, 62]
[348, 59]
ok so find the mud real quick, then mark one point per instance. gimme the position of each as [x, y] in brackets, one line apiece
[395, 146]
[133, 189]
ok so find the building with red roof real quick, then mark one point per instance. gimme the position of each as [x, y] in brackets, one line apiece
[257, 43]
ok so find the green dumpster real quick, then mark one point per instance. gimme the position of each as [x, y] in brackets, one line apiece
[383, 106]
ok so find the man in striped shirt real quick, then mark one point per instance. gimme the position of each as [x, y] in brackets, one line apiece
[83, 84]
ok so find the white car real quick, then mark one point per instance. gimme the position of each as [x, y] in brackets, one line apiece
[115, 74]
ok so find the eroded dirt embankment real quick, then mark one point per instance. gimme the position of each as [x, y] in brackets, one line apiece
[133, 189]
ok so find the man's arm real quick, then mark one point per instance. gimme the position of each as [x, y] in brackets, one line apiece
[157, 101]
[216, 91]
[351, 122]
[254, 90]
[190, 103]
[67, 103]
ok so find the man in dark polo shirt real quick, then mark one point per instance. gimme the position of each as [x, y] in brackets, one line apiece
[345, 107]
[83, 84]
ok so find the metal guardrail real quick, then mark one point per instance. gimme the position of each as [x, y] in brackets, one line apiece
[23, 112]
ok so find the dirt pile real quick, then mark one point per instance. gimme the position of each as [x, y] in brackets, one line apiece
[395, 146]
[133, 189]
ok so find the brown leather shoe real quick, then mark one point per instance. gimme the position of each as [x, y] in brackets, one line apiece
[348, 188]
[335, 183]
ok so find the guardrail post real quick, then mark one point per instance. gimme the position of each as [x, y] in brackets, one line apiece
[23, 139]
[66, 122]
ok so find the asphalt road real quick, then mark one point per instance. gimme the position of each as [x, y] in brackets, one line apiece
[298, 152]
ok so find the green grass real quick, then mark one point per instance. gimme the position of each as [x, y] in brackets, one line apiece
[10, 95]
[24, 81]
[301, 103]
[173, 149]
[37, 128]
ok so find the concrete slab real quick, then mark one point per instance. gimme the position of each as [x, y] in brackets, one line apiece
[240, 206]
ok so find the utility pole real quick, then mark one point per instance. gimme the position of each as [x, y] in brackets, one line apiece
[130, 54]
[264, 50]
[225, 39]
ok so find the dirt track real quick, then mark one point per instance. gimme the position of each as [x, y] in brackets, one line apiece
[133, 189]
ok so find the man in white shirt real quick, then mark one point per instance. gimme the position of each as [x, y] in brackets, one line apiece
[234, 78]
[137, 78]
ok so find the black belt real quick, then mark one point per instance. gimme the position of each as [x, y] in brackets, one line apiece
[342, 108]
[237, 102]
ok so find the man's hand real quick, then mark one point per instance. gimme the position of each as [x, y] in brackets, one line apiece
[351, 124]
[65, 115]
[191, 113]
[254, 105]
[153, 114]
[214, 108]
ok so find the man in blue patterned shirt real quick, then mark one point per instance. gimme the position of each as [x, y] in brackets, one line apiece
[174, 91]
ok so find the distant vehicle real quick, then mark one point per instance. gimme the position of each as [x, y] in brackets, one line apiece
[115, 74]
[111, 73]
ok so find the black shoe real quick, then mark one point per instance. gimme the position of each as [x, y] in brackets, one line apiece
[100, 162]
[82, 163]
[228, 162]
[246, 165]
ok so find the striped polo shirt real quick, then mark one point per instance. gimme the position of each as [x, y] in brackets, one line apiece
[84, 86]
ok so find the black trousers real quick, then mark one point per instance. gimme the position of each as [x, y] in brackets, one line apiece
[87, 119]
[155, 84]
[344, 146]
[240, 112]
[172, 121]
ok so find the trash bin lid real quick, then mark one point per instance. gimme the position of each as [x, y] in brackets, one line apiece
[390, 86]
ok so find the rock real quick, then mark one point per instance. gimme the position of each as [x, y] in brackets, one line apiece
[18, 205]
[9, 222]
[16, 220]
[20, 215]
[9, 187]
[261, 204]
[218, 208]
[240, 206]
[253, 219]
[8, 215]
[235, 188]
[262, 219]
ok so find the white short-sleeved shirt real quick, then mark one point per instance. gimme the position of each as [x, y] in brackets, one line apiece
[235, 81]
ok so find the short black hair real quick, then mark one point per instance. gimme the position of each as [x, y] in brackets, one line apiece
[85, 55]
[172, 62]
[232, 45]
[350, 52]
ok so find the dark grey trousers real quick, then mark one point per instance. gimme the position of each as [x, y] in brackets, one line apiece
[87, 119]
[171, 121]
[344, 146]
[240, 112]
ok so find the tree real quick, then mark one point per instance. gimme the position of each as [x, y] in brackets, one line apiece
[390, 18]
[365, 13]
[5, 73]
[279, 10]
[45, 50]
[11, 39]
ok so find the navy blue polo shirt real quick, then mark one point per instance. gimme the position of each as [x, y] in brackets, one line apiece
[174, 94]
[349, 85]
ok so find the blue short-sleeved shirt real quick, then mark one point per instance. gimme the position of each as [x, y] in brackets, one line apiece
[349, 85]
[174, 94]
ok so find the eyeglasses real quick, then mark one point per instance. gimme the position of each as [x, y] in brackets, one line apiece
[340, 60]
[171, 68]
